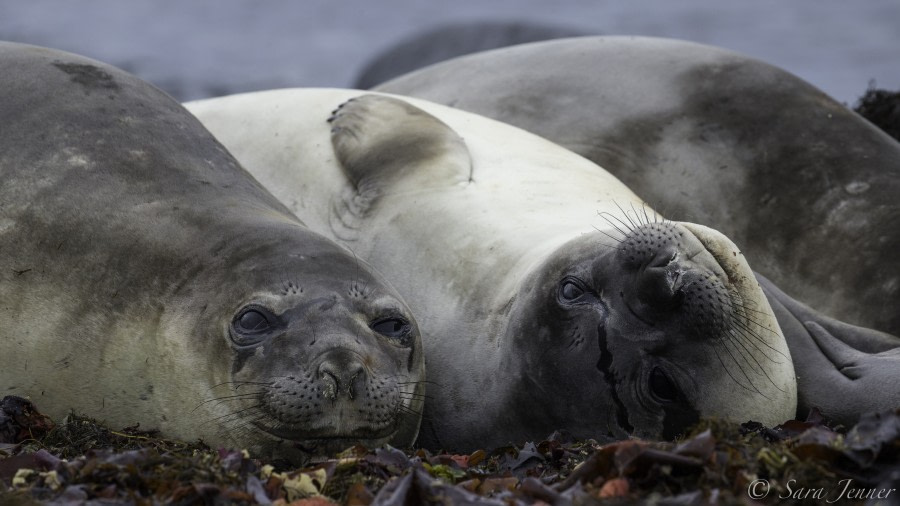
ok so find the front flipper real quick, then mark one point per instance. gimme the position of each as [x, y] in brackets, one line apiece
[388, 146]
[842, 369]
[383, 142]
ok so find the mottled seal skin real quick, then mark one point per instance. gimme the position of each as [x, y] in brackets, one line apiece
[145, 277]
[549, 296]
[807, 188]
[449, 40]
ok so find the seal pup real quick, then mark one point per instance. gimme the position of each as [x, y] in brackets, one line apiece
[146, 277]
[807, 187]
[542, 305]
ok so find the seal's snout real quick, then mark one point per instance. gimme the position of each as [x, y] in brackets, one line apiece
[674, 277]
[341, 374]
[338, 396]
[653, 254]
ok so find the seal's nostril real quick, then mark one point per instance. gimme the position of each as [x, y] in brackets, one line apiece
[356, 378]
[341, 374]
[330, 385]
[657, 287]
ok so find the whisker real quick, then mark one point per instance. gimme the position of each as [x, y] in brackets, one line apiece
[734, 360]
[609, 217]
[236, 414]
[411, 396]
[755, 336]
[240, 383]
[744, 372]
[725, 367]
[245, 423]
[758, 365]
[752, 310]
[633, 226]
[644, 209]
[637, 215]
[248, 395]
[619, 241]
[750, 335]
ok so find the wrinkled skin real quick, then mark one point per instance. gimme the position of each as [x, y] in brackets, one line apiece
[635, 335]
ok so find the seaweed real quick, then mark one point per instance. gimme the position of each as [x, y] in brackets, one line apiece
[716, 462]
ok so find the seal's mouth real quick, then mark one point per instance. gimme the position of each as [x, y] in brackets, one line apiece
[316, 438]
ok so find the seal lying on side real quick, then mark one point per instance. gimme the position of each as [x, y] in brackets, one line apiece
[716, 137]
[542, 305]
[146, 277]
[806, 186]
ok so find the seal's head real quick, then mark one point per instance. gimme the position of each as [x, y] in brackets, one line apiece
[314, 351]
[659, 323]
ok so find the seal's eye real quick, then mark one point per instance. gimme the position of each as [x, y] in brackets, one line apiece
[391, 327]
[253, 321]
[252, 325]
[570, 291]
[662, 388]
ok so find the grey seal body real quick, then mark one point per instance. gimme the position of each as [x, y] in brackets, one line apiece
[446, 41]
[549, 296]
[145, 277]
[806, 186]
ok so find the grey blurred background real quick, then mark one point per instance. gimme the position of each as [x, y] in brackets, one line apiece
[199, 48]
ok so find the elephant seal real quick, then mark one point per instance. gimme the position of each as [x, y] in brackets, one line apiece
[449, 40]
[548, 294]
[804, 185]
[146, 277]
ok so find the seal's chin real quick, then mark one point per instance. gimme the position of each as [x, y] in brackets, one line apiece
[327, 441]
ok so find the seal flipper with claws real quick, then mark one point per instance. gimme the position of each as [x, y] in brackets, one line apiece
[406, 139]
[413, 141]
[842, 366]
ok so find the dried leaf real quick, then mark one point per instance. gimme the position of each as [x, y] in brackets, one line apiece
[616, 487]
[359, 495]
[304, 484]
[700, 446]
[874, 433]
[491, 486]
[477, 457]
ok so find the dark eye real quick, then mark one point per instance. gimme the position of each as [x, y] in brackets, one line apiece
[662, 388]
[391, 327]
[253, 321]
[252, 325]
[569, 290]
